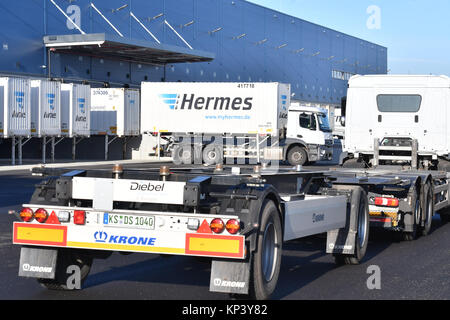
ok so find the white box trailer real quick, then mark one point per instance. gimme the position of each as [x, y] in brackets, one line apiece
[233, 120]
[45, 108]
[115, 111]
[398, 118]
[75, 110]
[15, 112]
[233, 108]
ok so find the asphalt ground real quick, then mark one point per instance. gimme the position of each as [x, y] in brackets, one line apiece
[408, 270]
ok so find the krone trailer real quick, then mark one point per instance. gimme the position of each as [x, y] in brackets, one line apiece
[238, 217]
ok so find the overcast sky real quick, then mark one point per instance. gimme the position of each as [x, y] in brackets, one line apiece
[416, 32]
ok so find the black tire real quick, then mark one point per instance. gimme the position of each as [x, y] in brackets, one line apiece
[265, 267]
[297, 156]
[66, 258]
[212, 155]
[354, 164]
[416, 215]
[428, 209]
[359, 208]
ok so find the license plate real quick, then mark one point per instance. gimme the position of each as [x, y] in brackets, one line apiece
[124, 220]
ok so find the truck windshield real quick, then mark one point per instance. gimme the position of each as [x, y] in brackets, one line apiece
[324, 124]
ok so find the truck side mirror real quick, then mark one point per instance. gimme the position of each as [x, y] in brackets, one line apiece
[343, 121]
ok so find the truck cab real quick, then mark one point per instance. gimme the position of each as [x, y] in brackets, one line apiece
[397, 120]
[308, 129]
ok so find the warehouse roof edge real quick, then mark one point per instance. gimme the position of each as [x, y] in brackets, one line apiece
[102, 45]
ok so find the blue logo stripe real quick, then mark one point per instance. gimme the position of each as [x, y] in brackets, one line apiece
[168, 96]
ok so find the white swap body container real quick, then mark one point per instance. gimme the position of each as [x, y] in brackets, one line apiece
[75, 110]
[45, 108]
[15, 112]
[212, 108]
[115, 111]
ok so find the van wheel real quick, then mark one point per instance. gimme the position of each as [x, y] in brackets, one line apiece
[297, 156]
[67, 258]
[265, 266]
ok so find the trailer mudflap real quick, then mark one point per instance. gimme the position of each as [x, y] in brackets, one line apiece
[230, 276]
[38, 262]
[341, 241]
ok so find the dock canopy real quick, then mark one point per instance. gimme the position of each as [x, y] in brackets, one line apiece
[107, 46]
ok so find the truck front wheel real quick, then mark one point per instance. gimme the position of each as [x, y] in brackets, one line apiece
[297, 156]
[265, 267]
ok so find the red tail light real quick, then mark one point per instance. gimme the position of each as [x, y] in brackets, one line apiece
[79, 217]
[386, 202]
[217, 225]
[233, 226]
[26, 214]
[41, 215]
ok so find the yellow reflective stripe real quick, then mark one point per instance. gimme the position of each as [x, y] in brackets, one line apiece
[40, 234]
[214, 245]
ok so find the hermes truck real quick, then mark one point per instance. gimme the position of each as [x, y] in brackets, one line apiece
[215, 122]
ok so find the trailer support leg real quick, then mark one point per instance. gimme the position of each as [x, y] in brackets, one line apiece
[44, 149]
[159, 146]
[107, 143]
[74, 147]
[20, 150]
[13, 151]
[414, 149]
[106, 147]
[53, 149]
[376, 153]
[258, 150]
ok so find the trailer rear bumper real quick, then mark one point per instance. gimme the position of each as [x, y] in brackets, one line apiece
[169, 234]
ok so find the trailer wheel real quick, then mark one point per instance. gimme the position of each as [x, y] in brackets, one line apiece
[416, 216]
[297, 156]
[428, 209]
[265, 267]
[212, 155]
[359, 203]
[67, 258]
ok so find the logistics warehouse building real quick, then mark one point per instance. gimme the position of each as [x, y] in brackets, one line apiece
[125, 42]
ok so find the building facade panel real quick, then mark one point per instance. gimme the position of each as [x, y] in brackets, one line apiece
[251, 43]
